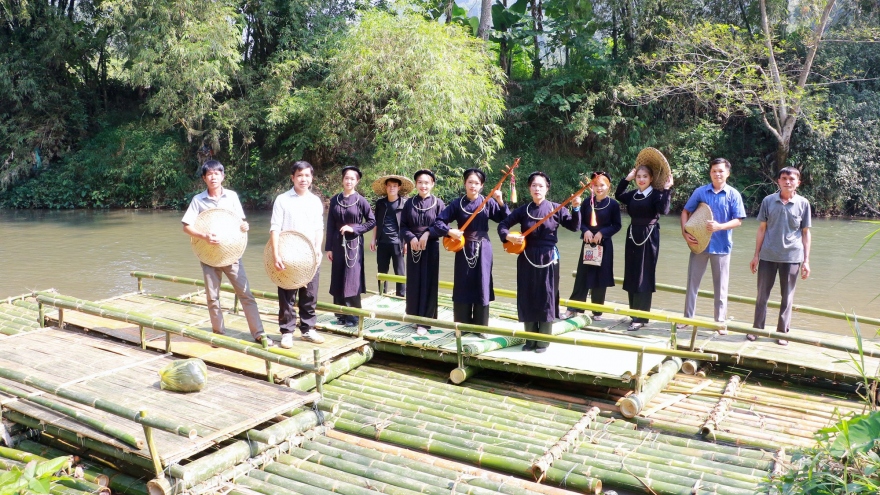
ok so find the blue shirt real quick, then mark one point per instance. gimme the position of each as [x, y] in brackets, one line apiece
[726, 205]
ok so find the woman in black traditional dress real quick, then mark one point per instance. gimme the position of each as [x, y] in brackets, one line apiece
[537, 267]
[473, 264]
[348, 218]
[423, 261]
[594, 280]
[644, 206]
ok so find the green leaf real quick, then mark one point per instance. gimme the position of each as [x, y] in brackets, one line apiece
[856, 435]
[52, 466]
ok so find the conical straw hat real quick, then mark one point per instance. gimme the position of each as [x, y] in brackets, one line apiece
[227, 227]
[696, 226]
[300, 260]
[658, 164]
[406, 185]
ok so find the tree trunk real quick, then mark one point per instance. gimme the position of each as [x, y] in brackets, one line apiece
[448, 11]
[485, 19]
[537, 17]
[782, 151]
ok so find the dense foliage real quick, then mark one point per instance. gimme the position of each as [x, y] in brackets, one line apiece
[113, 103]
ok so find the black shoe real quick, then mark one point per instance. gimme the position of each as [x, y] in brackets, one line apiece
[539, 350]
[351, 323]
[529, 346]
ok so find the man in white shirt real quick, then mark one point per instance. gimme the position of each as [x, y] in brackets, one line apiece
[301, 211]
[217, 196]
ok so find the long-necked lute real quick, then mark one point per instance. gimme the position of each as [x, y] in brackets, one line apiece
[456, 245]
[512, 248]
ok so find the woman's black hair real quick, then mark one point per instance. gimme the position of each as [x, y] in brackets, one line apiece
[538, 174]
[474, 171]
[424, 171]
[301, 165]
[212, 165]
[352, 167]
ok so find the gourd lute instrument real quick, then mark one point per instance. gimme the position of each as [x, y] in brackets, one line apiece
[519, 248]
[456, 245]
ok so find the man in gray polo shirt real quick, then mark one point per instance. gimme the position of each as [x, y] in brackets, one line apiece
[782, 246]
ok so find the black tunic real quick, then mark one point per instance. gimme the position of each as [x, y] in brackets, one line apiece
[388, 220]
[347, 270]
[537, 268]
[473, 284]
[422, 267]
[607, 223]
[643, 236]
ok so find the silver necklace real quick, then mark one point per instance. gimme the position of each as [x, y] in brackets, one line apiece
[428, 208]
[340, 203]
[462, 204]
[472, 260]
[356, 247]
[644, 196]
[530, 215]
[647, 236]
[596, 208]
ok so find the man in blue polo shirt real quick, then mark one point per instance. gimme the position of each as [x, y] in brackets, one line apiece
[727, 214]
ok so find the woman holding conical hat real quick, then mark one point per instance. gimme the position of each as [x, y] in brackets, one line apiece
[537, 267]
[600, 220]
[423, 259]
[644, 205]
[348, 218]
[473, 288]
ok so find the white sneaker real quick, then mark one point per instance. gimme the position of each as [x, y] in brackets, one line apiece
[287, 340]
[312, 336]
[421, 331]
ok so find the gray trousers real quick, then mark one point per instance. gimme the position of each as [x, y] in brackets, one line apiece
[545, 327]
[237, 277]
[720, 277]
[788, 276]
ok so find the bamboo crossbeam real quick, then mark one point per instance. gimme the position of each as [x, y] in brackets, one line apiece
[171, 327]
[77, 416]
[100, 404]
[633, 404]
[562, 339]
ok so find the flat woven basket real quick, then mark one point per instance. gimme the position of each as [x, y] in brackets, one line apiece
[227, 226]
[300, 261]
[658, 164]
[696, 226]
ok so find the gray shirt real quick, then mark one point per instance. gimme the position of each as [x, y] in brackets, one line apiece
[227, 200]
[783, 242]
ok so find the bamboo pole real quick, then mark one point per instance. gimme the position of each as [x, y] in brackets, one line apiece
[77, 416]
[99, 404]
[283, 430]
[82, 485]
[459, 375]
[297, 469]
[540, 466]
[462, 326]
[338, 367]
[633, 404]
[171, 327]
[298, 481]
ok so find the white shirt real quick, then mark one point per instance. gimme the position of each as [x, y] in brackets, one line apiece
[301, 213]
[228, 200]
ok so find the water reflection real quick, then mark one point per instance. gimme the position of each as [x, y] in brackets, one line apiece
[89, 254]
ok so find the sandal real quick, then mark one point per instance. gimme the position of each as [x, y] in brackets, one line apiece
[781, 341]
[722, 331]
[751, 337]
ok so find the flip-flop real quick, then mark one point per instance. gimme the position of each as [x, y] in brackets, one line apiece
[751, 337]
[781, 341]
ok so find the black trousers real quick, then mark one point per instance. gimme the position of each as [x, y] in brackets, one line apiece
[597, 296]
[385, 254]
[350, 302]
[473, 314]
[642, 302]
[304, 298]
[544, 327]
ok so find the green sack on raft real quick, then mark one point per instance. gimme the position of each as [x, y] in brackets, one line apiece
[184, 375]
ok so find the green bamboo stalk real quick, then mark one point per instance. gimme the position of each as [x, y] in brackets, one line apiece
[57, 489]
[297, 469]
[205, 467]
[283, 430]
[270, 489]
[169, 326]
[99, 404]
[459, 375]
[676, 426]
[487, 459]
[297, 480]
[26, 304]
[338, 367]
[632, 405]
[77, 416]
[73, 438]
[436, 396]
[82, 485]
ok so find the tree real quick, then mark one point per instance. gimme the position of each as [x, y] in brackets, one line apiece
[485, 19]
[735, 73]
[402, 90]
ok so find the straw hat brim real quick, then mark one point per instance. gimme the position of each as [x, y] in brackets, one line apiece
[658, 165]
[300, 260]
[406, 185]
[227, 227]
[696, 226]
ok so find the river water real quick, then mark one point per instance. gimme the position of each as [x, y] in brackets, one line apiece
[89, 254]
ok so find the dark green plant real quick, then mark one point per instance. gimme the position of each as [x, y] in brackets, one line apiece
[35, 477]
